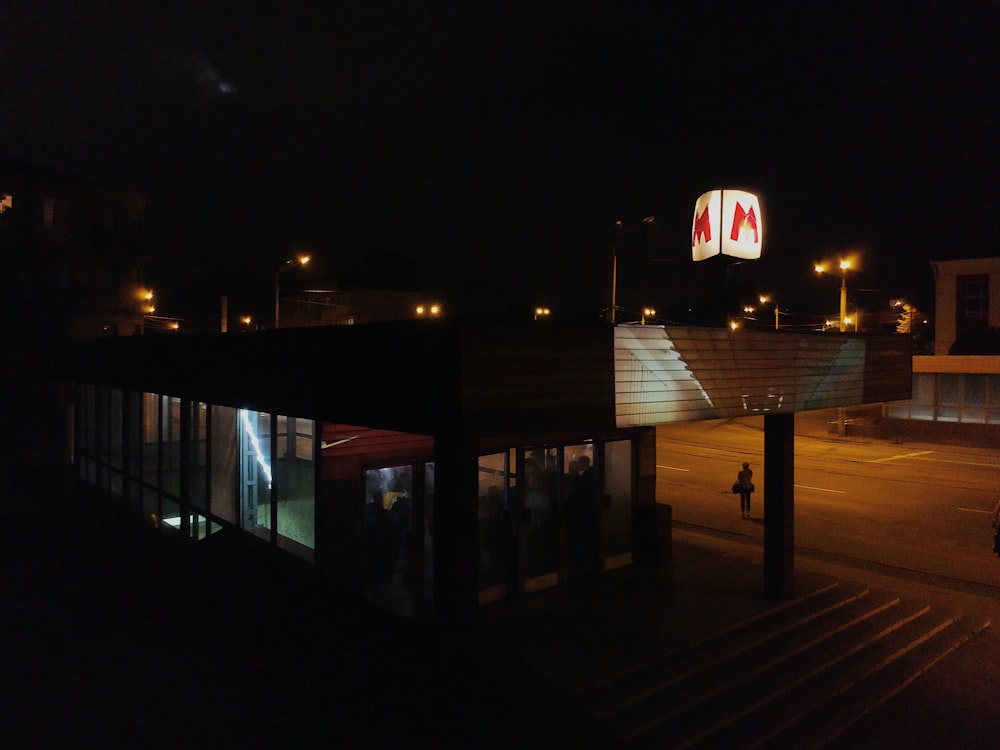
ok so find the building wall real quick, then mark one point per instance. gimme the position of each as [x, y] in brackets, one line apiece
[946, 274]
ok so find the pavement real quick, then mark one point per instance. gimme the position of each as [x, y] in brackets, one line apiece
[113, 635]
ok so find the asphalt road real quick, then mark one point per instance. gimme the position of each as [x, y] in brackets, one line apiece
[916, 507]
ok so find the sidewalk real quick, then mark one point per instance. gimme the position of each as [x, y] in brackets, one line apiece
[115, 636]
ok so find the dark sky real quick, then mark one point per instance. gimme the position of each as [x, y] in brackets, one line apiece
[488, 151]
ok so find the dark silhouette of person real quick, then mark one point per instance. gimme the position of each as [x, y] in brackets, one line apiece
[745, 480]
[583, 512]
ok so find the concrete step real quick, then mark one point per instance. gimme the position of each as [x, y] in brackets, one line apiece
[810, 668]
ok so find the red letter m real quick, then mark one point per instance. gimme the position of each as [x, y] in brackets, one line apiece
[702, 226]
[743, 221]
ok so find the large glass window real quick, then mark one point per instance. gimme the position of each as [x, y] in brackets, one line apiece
[389, 563]
[116, 453]
[618, 517]
[225, 445]
[256, 474]
[541, 529]
[150, 443]
[198, 442]
[170, 445]
[582, 510]
[295, 476]
[494, 533]
[948, 399]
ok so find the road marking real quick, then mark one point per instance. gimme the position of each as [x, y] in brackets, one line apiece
[976, 510]
[901, 455]
[820, 489]
[672, 468]
[961, 463]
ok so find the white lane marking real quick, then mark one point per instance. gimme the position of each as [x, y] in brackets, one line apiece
[901, 455]
[671, 468]
[820, 489]
[961, 463]
[976, 510]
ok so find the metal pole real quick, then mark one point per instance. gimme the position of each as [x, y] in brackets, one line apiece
[843, 300]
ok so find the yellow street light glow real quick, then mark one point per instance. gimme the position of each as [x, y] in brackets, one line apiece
[845, 264]
[304, 259]
[175, 326]
[733, 324]
[246, 320]
[420, 310]
[435, 309]
[648, 311]
[764, 299]
[748, 309]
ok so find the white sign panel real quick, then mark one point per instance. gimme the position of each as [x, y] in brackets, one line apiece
[727, 222]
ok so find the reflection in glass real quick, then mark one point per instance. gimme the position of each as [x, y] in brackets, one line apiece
[225, 463]
[296, 486]
[618, 517]
[389, 565]
[541, 532]
[494, 559]
[582, 510]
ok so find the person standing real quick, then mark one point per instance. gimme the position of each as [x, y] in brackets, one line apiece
[745, 480]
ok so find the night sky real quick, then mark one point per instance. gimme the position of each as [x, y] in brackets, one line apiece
[485, 151]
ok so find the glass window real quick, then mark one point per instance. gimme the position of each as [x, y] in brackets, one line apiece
[541, 526]
[198, 441]
[494, 558]
[923, 388]
[295, 479]
[389, 563]
[948, 389]
[582, 510]
[134, 431]
[170, 445]
[898, 410]
[116, 454]
[993, 391]
[150, 444]
[225, 463]
[255, 471]
[618, 517]
[428, 533]
[974, 391]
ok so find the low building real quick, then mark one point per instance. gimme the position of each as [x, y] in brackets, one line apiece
[433, 466]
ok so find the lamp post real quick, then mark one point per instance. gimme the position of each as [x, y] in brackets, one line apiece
[290, 263]
[844, 265]
[619, 233]
[764, 299]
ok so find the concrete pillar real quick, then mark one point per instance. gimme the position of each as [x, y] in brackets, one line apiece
[779, 505]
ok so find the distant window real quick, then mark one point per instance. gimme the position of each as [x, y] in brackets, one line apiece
[972, 303]
[49, 212]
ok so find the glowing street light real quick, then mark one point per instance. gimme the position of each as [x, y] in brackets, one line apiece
[542, 312]
[844, 265]
[647, 312]
[297, 262]
[428, 311]
[764, 299]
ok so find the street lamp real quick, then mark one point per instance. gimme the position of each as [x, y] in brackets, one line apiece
[844, 265]
[290, 263]
[542, 312]
[764, 299]
[619, 233]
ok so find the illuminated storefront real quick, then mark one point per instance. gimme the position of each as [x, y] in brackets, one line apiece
[487, 462]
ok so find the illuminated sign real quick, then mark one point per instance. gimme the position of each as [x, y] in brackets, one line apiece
[727, 222]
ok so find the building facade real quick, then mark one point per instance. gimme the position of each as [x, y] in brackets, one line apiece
[436, 466]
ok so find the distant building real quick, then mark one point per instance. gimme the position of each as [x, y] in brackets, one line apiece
[74, 254]
[967, 300]
[956, 392]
